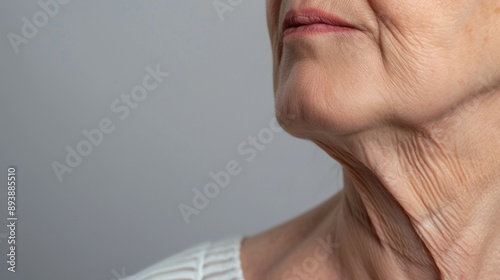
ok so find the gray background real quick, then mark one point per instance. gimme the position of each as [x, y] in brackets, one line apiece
[117, 212]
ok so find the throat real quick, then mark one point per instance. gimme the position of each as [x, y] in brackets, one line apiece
[378, 239]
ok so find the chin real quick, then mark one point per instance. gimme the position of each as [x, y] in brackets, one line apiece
[311, 101]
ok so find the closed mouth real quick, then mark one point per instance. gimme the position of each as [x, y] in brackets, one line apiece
[312, 20]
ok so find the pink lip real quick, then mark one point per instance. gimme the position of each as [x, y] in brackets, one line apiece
[311, 21]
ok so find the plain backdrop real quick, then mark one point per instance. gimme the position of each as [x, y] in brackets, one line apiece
[117, 212]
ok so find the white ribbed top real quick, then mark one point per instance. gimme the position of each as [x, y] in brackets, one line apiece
[208, 261]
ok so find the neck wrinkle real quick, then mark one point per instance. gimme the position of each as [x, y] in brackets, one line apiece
[421, 200]
[395, 249]
[380, 241]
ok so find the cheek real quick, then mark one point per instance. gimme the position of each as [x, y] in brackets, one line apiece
[423, 83]
[426, 65]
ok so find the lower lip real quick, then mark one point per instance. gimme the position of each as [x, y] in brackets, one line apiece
[315, 28]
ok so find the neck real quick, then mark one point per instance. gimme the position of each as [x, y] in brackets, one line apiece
[417, 203]
[420, 203]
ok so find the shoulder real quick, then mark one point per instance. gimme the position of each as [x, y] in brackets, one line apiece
[218, 260]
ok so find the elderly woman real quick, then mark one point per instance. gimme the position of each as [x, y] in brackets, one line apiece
[406, 96]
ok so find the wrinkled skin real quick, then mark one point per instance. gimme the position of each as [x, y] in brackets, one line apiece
[409, 104]
[413, 62]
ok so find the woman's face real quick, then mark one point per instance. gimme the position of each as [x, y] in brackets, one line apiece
[398, 62]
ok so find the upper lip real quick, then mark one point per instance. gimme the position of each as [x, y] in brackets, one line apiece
[296, 18]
